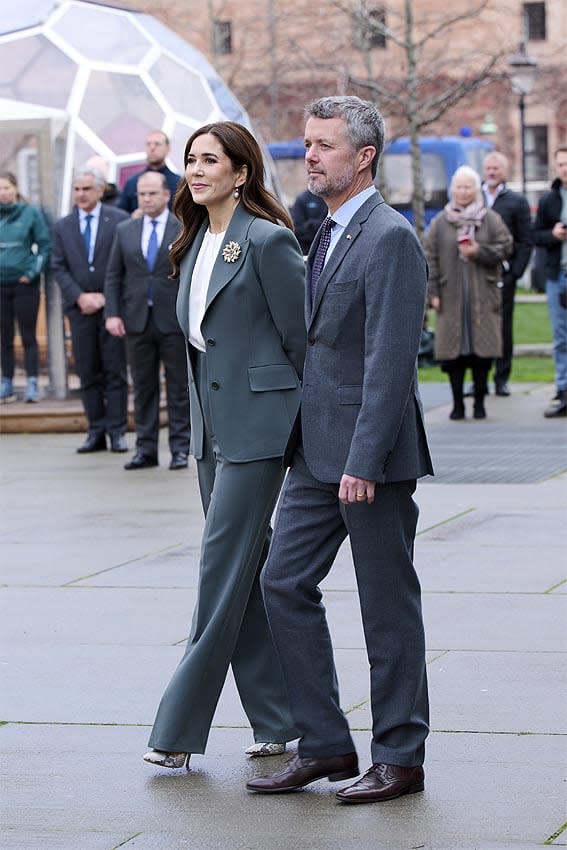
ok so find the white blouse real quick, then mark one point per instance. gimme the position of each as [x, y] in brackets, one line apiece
[208, 252]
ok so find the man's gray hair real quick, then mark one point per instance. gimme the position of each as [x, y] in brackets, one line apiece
[98, 176]
[364, 121]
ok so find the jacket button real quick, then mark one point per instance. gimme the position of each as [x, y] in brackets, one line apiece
[215, 385]
[311, 341]
[211, 341]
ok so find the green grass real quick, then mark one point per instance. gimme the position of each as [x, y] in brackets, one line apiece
[531, 326]
[525, 370]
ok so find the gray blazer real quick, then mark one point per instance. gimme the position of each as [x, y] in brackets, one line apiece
[127, 279]
[361, 413]
[254, 332]
[69, 262]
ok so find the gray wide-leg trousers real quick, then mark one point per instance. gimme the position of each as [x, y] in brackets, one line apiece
[229, 621]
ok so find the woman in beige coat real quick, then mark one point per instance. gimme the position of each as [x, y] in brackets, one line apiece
[465, 246]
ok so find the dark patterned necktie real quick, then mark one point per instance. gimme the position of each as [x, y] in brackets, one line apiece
[320, 255]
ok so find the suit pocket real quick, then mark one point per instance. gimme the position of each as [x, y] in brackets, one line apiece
[280, 376]
[351, 394]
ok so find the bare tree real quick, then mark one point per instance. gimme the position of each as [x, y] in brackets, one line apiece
[433, 69]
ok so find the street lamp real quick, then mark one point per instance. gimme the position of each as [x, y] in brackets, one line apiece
[522, 76]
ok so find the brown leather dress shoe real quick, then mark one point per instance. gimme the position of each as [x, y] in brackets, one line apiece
[383, 782]
[301, 771]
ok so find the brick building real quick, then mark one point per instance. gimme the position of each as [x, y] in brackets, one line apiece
[276, 55]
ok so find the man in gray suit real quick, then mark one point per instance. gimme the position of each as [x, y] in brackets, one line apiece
[359, 447]
[81, 247]
[140, 304]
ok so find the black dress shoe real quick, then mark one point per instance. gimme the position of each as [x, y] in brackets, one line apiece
[93, 443]
[383, 782]
[118, 443]
[558, 407]
[299, 772]
[141, 461]
[178, 461]
[478, 410]
[502, 390]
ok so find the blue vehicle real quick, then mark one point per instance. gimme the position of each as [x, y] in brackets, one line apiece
[440, 157]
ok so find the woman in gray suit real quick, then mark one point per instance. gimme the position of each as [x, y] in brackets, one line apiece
[240, 306]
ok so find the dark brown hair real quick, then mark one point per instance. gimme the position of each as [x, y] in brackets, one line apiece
[11, 178]
[242, 149]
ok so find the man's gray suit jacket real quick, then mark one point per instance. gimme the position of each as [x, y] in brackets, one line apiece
[360, 412]
[69, 261]
[127, 279]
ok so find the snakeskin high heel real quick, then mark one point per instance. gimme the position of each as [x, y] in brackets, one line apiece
[171, 760]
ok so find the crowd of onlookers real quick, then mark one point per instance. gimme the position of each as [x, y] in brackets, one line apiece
[474, 267]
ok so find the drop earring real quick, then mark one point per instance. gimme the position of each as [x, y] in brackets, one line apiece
[236, 193]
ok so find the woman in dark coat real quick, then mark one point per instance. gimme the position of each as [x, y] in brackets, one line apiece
[465, 246]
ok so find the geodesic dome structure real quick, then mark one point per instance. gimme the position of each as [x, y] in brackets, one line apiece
[102, 77]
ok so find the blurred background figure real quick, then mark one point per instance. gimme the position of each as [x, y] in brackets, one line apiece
[550, 231]
[111, 193]
[25, 245]
[140, 305]
[515, 212]
[157, 150]
[307, 212]
[465, 245]
[80, 255]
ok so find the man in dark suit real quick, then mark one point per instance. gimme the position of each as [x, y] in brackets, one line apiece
[157, 150]
[515, 211]
[81, 247]
[140, 304]
[358, 449]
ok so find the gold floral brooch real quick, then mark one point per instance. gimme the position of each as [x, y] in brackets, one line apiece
[231, 252]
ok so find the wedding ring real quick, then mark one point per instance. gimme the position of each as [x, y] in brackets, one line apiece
[361, 495]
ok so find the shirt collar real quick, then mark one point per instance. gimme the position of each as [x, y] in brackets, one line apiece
[345, 212]
[161, 218]
[95, 212]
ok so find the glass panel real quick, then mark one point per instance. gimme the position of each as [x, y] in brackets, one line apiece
[398, 182]
[120, 110]
[176, 45]
[24, 13]
[191, 95]
[178, 139]
[103, 35]
[35, 71]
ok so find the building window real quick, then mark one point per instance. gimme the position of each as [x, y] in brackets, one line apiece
[222, 37]
[534, 21]
[369, 25]
[537, 152]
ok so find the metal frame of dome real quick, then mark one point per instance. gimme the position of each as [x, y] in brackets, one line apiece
[115, 73]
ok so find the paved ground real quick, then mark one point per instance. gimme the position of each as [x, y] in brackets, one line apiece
[99, 570]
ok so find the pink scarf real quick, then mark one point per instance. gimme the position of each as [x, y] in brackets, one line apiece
[465, 219]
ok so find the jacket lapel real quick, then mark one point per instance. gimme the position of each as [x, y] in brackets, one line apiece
[343, 246]
[224, 270]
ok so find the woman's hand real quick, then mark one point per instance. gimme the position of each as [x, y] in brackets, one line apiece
[469, 249]
[435, 302]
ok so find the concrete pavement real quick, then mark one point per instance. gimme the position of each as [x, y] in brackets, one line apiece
[99, 571]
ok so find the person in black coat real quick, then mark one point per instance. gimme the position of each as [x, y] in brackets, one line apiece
[550, 231]
[515, 211]
[157, 150]
[100, 359]
[307, 212]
